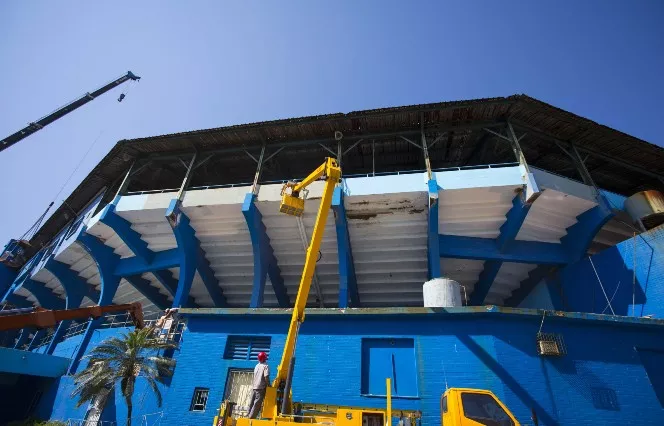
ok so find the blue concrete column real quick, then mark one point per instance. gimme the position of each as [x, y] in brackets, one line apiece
[75, 289]
[575, 244]
[106, 263]
[588, 224]
[347, 281]
[186, 252]
[192, 258]
[83, 346]
[265, 262]
[46, 298]
[433, 244]
[508, 232]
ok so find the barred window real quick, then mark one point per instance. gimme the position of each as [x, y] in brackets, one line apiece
[199, 400]
[246, 348]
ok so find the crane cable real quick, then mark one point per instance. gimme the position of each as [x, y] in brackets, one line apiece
[33, 229]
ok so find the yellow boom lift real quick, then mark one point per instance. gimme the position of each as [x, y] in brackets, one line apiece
[278, 409]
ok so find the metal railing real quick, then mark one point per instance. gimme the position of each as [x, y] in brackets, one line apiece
[172, 333]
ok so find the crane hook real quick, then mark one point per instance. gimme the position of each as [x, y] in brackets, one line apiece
[122, 96]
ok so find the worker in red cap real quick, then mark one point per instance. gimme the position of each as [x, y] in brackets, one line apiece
[261, 381]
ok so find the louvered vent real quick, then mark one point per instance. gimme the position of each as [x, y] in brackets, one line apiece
[246, 348]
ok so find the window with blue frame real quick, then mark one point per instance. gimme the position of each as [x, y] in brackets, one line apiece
[389, 358]
[246, 348]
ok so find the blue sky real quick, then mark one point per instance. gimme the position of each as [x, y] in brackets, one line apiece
[210, 64]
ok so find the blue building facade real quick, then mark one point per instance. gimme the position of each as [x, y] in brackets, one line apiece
[612, 372]
[469, 191]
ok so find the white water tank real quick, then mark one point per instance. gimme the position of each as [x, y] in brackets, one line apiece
[442, 293]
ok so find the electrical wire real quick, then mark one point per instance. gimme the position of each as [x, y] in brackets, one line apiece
[78, 165]
[601, 285]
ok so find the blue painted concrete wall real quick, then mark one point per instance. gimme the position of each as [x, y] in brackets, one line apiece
[601, 380]
[57, 403]
[15, 361]
[616, 267]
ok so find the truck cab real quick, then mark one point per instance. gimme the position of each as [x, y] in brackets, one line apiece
[463, 406]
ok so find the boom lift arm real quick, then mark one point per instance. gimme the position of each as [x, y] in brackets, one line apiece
[62, 111]
[44, 318]
[292, 204]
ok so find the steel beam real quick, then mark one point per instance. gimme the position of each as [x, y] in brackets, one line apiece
[106, 262]
[626, 164]
[104, 255]
[122, 228]
[46, 298]
[148, 291]
[504, 243]
[265, 262]
[191, 259]
[534, 277]
[75, 289]
[532, 252]
[164, 259]
[582, 233]
[348, 291]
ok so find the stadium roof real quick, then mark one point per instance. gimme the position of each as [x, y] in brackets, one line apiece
[377, 141]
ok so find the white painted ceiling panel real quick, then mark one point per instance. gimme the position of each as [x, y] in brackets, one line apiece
[224, 236]
[509, 278]
[465, 271]
[108, 236]
[388, 234]
[474, 212]
[550, 216]
[153, 227]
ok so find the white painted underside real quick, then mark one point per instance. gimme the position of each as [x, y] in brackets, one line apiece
[387, 219]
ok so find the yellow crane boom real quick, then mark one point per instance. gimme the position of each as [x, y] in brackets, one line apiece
[331, 173]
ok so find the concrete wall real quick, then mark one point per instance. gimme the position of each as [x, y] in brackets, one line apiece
[601, 380]
[630, 271]
[58, 404]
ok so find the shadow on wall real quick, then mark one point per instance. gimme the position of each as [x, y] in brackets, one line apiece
[508, 381]
[630, 275]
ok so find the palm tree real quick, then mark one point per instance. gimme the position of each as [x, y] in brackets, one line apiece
[123, 359]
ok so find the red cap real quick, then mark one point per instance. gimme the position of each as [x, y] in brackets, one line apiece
[262, 356]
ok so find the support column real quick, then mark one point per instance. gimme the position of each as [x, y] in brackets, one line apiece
[265, 262]
[433, 239]
[348, 291]
[192, 258]
[508, 232]
[74, 292]
[46, 298]
[109, 286]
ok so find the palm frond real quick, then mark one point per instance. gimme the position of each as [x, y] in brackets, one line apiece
[155, 389]
[123, 359]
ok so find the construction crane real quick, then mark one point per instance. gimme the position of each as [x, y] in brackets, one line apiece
[18, 251]
[14, 319]
[462, 406]
[35, 126]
